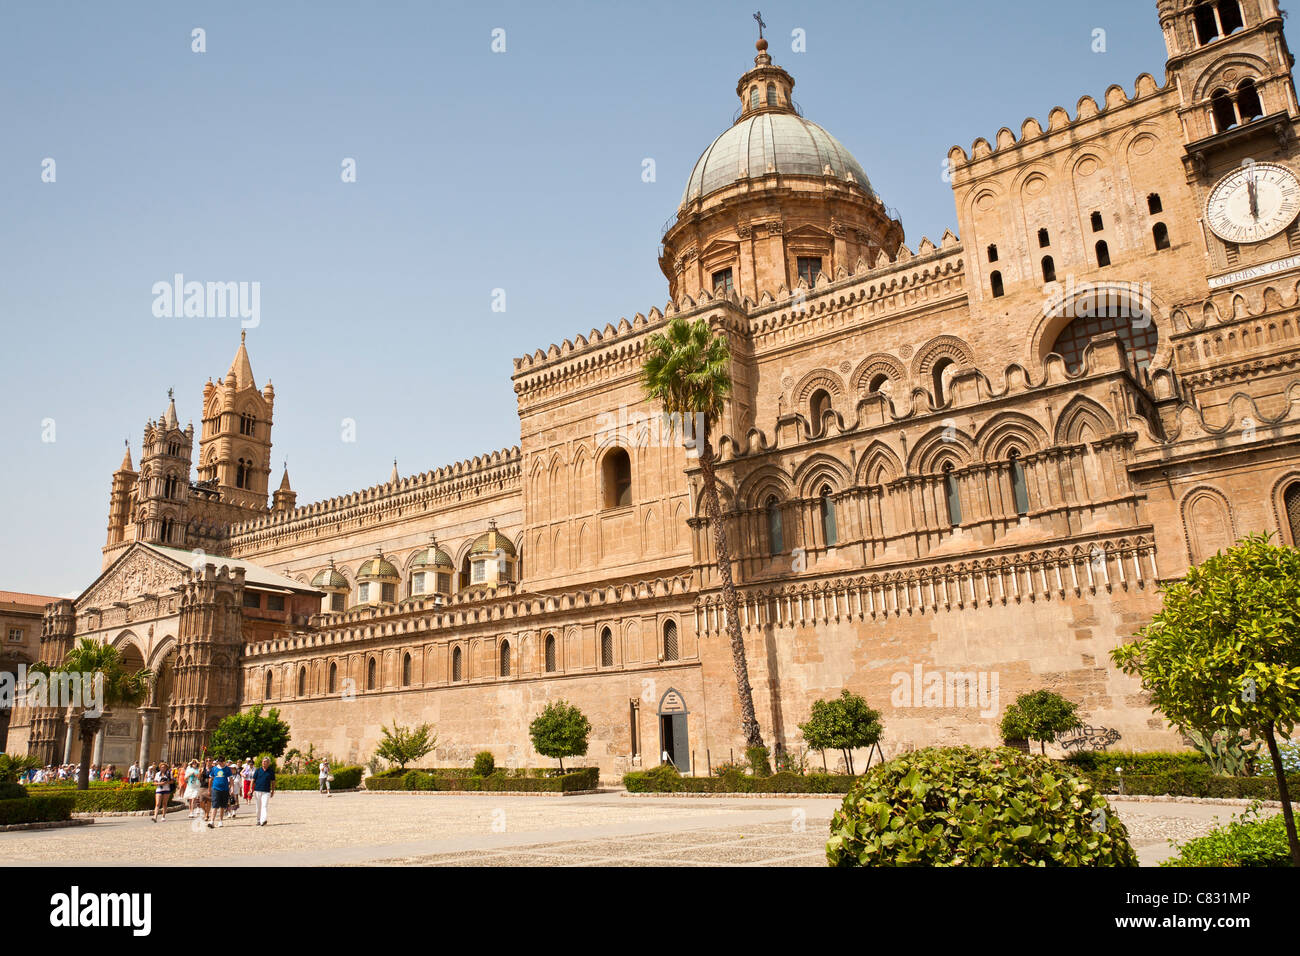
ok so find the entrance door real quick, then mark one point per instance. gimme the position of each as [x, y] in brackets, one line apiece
[674, 736]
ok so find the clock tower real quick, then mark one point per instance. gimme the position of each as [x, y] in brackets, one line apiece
[1238, 110]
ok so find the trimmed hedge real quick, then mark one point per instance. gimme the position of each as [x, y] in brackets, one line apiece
[585, 778]
[42, 809]
[12, 791]
[124, 800]
[345, 778]
[1191, 782]
[1138, 762]
[658, 780]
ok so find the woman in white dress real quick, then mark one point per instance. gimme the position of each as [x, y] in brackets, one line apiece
[192, 787]
[325, 778]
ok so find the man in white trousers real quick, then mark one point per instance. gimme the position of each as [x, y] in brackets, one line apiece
[263, 789]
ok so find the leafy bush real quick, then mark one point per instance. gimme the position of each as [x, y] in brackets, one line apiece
[42, 809]
[1039, 715]
[1191, 781]
[345, 778]
[1243, 842]
[586, 778]
[1150, 761]
[484, 763]
[661, 779]
[240, 735]
[787, 762]
[403, 745]
[12, 791]
[560, 730]
[962, 806]
[759, 764]
[844, 723]
[121, 799]
[666, 779]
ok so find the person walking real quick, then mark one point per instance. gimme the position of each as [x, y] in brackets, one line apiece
[246, 777]
[162, 792]
[325, 777]
[220, 783]
[263, 789]
[191, 793]
[133, 773]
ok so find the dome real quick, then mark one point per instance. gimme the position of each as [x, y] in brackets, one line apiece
[330, 579]
[378, 567]
[772, 142]
[492, 541]
[432, 556]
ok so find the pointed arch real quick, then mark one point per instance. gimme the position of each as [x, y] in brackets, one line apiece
[820, 469]
[943, 444]
[1010, 430]
[878, 465]
[1080, 416]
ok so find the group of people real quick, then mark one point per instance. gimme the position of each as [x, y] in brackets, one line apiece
[70, 771]
[212, 787]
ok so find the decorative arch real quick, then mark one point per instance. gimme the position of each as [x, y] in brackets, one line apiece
[939, 446]
[1081, 416]
[878, 465]
[1010, 430]
[1207, 523]
[129, 638]
[1253, 68]
[941, 347]
[817, 470]
[818, 378]
[755, 488]
[1121, 305]
[1286, 507]
[166, 646]
[875, 365]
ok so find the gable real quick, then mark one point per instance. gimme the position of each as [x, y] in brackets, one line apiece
[139, 571]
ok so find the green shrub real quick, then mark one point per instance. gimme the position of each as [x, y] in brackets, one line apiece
[1193, 781]
[1243, 842]
[121, 799]
[12, 791]
[484, 763]
[963, 806]
[42, 809]
[345, 778]
[759, 764]
[666, 779]
[661, 779]
[586, 778]
[1152, 761]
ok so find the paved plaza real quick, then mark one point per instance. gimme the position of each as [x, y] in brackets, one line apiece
[607, 829]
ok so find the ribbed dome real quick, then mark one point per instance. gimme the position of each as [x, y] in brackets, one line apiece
[378, 567]
[491, 542]
[329, 578]
[432, 556]
[772, 142]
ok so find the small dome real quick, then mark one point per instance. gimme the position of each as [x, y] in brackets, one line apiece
[431, 557]
[378, 567]
[772, 142]
[491, 542]
[330, 579]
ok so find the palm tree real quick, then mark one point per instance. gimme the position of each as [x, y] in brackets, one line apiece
[687, 371]
[120, 688]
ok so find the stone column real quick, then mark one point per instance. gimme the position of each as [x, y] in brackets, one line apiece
[98, 758]
[147, 715]
[70, 736]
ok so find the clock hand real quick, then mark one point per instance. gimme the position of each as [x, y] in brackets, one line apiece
[1253, 191]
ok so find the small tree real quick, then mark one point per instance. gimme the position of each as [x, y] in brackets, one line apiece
[242, 735]
[560, 731]
[844, 723]
[1224, 651]
[403, 745]
[1039, 715]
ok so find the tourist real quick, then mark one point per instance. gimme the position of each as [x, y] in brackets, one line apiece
[133, 772]
[162, 792]
[246, 777]
[325, 777]
[263, 789]
[191, 793]
[220, 785]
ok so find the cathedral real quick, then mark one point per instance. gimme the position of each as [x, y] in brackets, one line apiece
[971, 463]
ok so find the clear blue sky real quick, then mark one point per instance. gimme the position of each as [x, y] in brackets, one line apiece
[475, 171]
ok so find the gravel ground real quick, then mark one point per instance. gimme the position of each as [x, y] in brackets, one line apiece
[607, 829]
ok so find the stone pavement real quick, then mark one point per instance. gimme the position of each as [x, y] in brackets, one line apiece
[607, 829]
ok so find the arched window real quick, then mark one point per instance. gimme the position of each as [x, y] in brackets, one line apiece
[169, 487]
[995, 283]
[370, 674]
[671, 651]
[618, 479]
[1291, 502]
[1248, 105]
[606, 648]
[878, 383]
[504, 656]
[243, 473]
[993, 253]
[1097, 224]
[1160, 233]
[269, 678]
[1103, 254]
[952, 495]
[1049, 269]
[1044, 239]
[1019, 488]
[775, 534]
[820, 404]
[550, 653]
[457, 668]
[936, 378]
[753, 97]
[771, 94]
[466, 574]
[827, 508]
[406, 670]
[334, 675]
[302, 682]
[166, 530]
[1154, 205]
[1135, 327]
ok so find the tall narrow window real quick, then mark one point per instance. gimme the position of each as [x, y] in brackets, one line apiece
[1225, 113]
[1049, 269]
[269, 677]
[334, 677]
[993, 253]
[504, 668]
[1291, 501]
[1103, 254]
[370, 674]
[1230, 19]
[1044, 240]
[775, 535]
[606, 648]
[1207, 24]
[618, 479]
[457, 666]
[809, 268]
[1248, 105]
[550, 653]
[753, 97]
[1019, 489]
[953, 495]
[1097, 224]
[671, 651]
[820, 404]
[338, 602]
[1154, 205]
[406, 670]
[302, 682]
[1160, 233]
[995, 282]
[936, 378]
[723, 283]
[827, 506]
[771, 94]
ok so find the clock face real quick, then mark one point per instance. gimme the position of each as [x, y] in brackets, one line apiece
[1253, 203]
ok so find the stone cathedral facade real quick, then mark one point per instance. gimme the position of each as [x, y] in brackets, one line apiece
[972, 460]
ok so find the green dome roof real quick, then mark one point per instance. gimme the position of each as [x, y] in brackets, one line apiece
[432, 556]
[330, 578]
[491, 542]
[378, 567]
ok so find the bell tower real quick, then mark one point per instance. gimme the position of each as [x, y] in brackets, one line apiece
[235, 446]
[164, 483]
